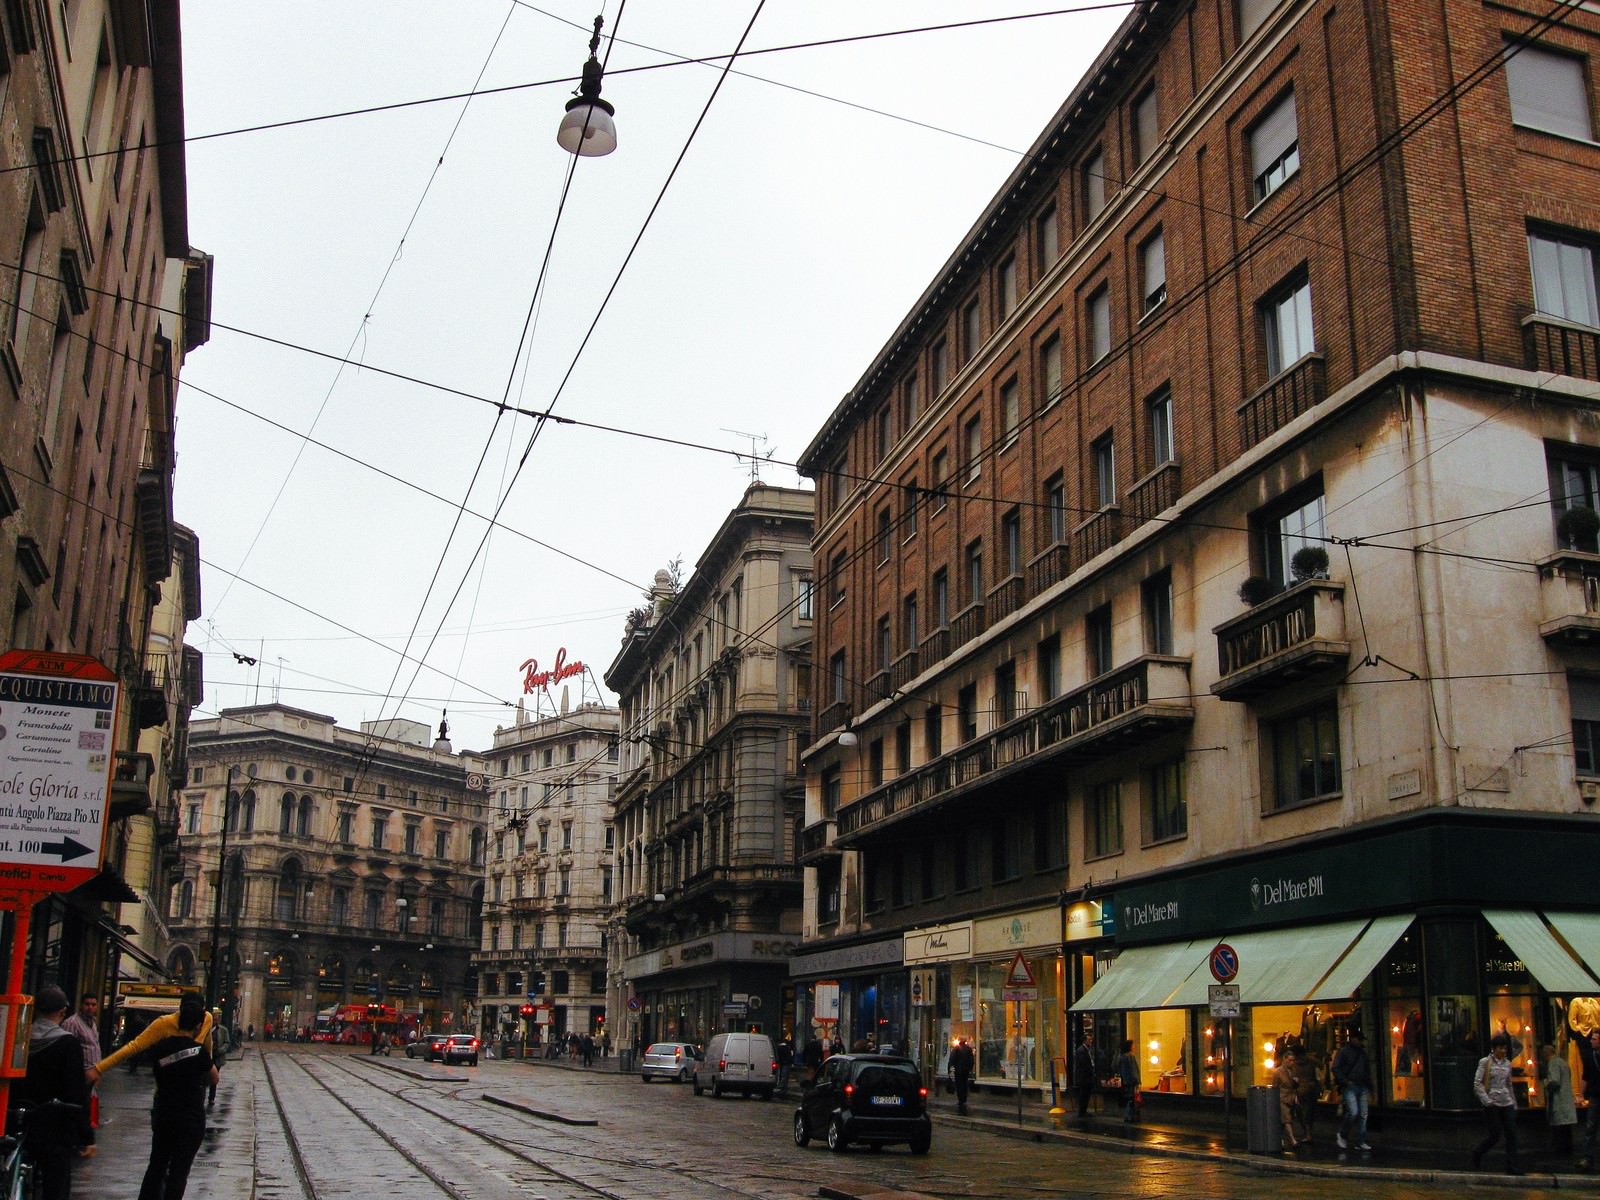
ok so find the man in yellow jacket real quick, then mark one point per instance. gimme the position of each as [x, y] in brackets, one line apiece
[162, 1027]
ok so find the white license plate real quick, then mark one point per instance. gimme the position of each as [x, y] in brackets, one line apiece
[891, 1100]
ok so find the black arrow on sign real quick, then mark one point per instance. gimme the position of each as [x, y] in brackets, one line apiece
[66, 848]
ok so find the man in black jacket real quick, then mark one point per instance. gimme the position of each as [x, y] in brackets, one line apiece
[1084, 1073]
[1589, 1052]
[55, 1072]
[183, 1069]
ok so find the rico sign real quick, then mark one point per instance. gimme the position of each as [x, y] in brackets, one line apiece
[533, 678]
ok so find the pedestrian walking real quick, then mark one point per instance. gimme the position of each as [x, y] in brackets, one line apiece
[1128, 1078]
[811, 1058]
[1589, 1052]
[586, 1047]
[1287, 1078]
[783, 1054]
[1352, 1073]
[1307, 1072]
[55, 1072]
[605, 1043]
[183, 1069]
[85, 1026]
[1491, 1084]
[961, 1064]
[1083, 1073]
[219, 1055]
[1560, 1109]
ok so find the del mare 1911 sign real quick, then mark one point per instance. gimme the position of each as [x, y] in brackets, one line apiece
[57, 720]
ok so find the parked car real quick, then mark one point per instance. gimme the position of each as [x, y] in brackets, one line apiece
[459, 1047]
[738, 1062]
[668, 1060]
[874, 1099]
[427, 1046]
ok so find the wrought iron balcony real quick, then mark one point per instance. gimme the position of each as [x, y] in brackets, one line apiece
[1569, 598]
[833, 717]
[1558, 347]
[1098, 534]
[878, 686]
[1155, 493]
[936, 646]
[1005, 599]
[1050, 568]
[1292, 635]
[1136, 703]
[1291, 392]
[904, 669]
[969, 623]
[815, 843]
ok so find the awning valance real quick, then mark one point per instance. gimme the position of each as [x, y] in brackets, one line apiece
[1363, 957]
[1581, 931]
[1142, 977]
[1276, 966]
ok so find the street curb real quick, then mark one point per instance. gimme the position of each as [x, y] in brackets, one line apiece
[840, 1191]
[542, 1113]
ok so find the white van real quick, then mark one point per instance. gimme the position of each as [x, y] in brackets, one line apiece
[737, 1062]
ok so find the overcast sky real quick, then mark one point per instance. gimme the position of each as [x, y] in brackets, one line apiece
[795, 235]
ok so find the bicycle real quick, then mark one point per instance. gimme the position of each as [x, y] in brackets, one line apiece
[19, 1180]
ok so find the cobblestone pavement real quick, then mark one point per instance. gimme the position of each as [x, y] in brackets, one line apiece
[392, 1128]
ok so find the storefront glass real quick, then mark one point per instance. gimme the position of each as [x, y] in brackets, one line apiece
[1161, 1041]
[1511, 995]
[1401, 976]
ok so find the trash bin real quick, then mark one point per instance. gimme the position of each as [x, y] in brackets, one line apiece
[1263, 1121]
[625, 1061]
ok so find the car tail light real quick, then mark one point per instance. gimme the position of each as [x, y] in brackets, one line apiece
[678, 1053]
[773, 1066]
[475, 1046]
[722, 1064]
[849, 1089]
[923, 1092]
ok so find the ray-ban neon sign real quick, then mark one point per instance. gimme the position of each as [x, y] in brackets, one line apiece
[534, 679]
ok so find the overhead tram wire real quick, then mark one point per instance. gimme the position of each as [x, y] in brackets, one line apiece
[371, 303]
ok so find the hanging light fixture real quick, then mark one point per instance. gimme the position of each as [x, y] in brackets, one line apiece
[587, 130]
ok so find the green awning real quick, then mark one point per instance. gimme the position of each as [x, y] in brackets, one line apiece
[1276, 966]
[1142, 977]
[1581, 931]
[1362, 958]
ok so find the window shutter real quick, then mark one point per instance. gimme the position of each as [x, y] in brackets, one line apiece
[1277, 131]
[1547, 92]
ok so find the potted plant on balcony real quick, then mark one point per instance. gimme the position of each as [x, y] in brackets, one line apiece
[1257, 589]
[1577, 528]
[1309, 562]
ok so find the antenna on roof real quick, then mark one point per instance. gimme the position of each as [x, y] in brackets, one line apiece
[755, 457]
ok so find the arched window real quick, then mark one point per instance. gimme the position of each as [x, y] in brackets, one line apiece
[290, 888]
[180, 965]
[247, 813]
[231, 820]
[477, 847]
[286, 814]
[339, 909]
[363, 975]
[183, 905]
[330, 975]
[303, 824]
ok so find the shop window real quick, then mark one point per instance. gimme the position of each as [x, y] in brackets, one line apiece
[1305, 756]
[1161, 1044]
[1401, 976]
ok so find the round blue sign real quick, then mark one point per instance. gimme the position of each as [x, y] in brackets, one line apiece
[1224, 963]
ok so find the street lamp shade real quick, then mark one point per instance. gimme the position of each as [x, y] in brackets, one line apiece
[587, 130]
[848, 739]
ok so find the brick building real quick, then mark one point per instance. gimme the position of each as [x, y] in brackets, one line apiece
[1192, 566]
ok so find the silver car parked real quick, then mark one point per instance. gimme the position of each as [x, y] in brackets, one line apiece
[668, 1060]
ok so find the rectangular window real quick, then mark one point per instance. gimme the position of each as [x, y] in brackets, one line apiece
[1055, 507]
[1159, 410]
[1047, 237]
[875, 763]
[885, 643]
[1146, 124]
[1010, 411]
[1153, 268]
[412, 833]
[1005, 850]
[974, 566]
[938, 368]
[1305, 755]
[885, 528]
[967, 713]
[838, 486]
[1574, 483]
[1548, 91]
[913, 496]
[972, 446]
[1050, 667]
[1104, 462]
[374, 910]
[971, 330]
[908, 621]
[836, 680]
[929, 870]
[1563, 278]
[902, 747]
[1050, 834]
[933, 732]
[1094, 186]
[941, 598]
[1006, 286]
[830, 793]
[885, 431]
[836, 578]
[1050, 371]
[1097, 641]
[804, 598]
[1102, 820]
[1166, 811]
[380, 826]
[1097, 324]
[347, 818]
[941, 479]
[1011, 542]
[1286, 318]
[441, 843]
[1584, 694]
[1275, 148]
[1285, 530]
[1156, 594]
[910, 400]
[1006, 704]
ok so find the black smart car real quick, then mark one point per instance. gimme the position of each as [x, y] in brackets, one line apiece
[875, 1099]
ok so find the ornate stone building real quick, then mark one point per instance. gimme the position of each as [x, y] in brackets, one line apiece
[351, 868]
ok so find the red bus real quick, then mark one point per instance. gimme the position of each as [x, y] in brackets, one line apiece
[350, 1025]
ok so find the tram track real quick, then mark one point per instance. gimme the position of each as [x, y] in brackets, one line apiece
[548, 1172]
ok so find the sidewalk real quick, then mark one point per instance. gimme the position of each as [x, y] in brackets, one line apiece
[1430, 1151]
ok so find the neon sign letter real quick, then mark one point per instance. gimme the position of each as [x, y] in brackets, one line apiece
[534, 679]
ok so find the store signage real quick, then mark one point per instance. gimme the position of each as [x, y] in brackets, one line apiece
[864, 955]
[1139, 916]
[533, 679]
[1036, 928]
[942, 943]
[1283, 891]
[825, 1001]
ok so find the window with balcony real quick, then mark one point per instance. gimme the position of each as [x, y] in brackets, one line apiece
[1584, 694]
[1006, 706]
[1166, 809]
[1011, 542]
[1286, 324]
[1055, 508]
[1563, 277]
[1097, 324]
[875, 763]
[1574, 483]
[1049, 371]
[1102, 820]
[1274, 148]
[1097, 641]
[1094, 186]
[1548, 91]
[1284, 528]
[1158, 412]
[1153, 271]
[902, 746]
[1304, 748]
[1156, 596]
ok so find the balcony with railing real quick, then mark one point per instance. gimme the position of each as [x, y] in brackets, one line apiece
[1006, 598]
[969, 623]
[936, 646]
[1155, 493]
[1146, 699]
[904, 669]
[1569, 598]
[877, 686]
[1292, 635]
[833, 717]
[1098, 534]
[148, 692]
[1560, 347]
[815, 843]
[1291, 392]
[1050, 568]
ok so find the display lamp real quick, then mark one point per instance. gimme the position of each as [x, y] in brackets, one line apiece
[588, 130]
